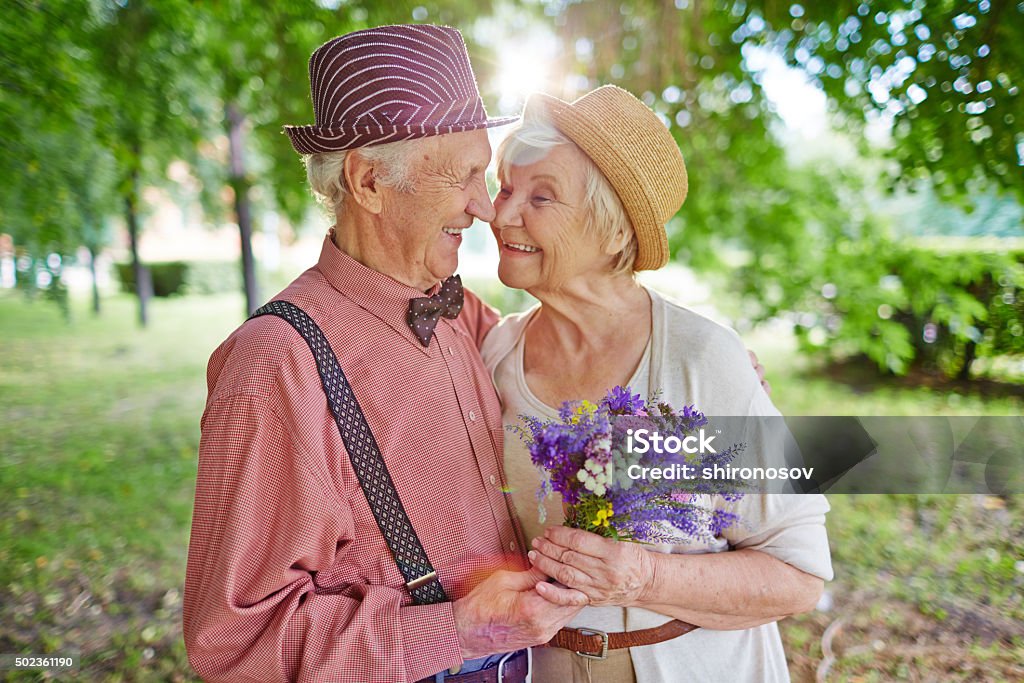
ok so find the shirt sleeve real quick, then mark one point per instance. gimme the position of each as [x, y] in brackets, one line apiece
[479, 317]
[789, 527]
[265, 523]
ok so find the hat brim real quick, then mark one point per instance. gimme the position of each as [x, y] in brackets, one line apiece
[592, 137]
[317, 139]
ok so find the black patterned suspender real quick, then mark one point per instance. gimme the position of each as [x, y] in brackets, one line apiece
[420, 578]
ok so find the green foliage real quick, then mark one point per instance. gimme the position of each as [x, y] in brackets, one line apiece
[101, 97]
[801, 227]
[900, 305]
[947, 74]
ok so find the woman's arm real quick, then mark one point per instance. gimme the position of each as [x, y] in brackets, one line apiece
[731, 590]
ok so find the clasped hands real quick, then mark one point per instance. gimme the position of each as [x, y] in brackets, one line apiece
[513, 610]
[606, 571]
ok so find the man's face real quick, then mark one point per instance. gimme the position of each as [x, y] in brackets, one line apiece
[450, 191]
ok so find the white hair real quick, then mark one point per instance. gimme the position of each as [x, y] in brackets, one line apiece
[530, 141]
[393, 166]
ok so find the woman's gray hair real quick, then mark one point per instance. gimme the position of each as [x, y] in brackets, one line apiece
[530, 141]
[393, 163]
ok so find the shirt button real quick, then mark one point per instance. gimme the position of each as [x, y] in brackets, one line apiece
[512, 546]
[493, 480]
[472, 416]
[451, 351]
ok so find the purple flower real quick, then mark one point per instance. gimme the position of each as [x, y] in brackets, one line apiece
[573, 450]
[621, 402]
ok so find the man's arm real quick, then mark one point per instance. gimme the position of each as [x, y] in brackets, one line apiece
[266, 522]
[759, 369]
[264, 525]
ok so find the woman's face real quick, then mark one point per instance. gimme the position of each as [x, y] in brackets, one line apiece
[540, 221]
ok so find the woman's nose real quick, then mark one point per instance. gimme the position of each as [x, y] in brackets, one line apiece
[506, 212]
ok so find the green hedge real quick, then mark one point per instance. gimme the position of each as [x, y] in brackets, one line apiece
[177, 277]
[168, 278]
[901, 305]
[213, 277]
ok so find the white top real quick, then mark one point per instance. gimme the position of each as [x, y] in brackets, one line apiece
[691, 360]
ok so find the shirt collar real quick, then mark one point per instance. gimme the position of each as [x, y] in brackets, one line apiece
[375, 292]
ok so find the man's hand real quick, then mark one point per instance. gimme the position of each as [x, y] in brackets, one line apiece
[513, 610]
[759, 369]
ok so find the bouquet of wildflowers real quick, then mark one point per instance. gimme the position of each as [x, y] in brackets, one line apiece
[584, 457]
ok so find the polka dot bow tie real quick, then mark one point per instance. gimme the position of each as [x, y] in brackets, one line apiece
[425, 311]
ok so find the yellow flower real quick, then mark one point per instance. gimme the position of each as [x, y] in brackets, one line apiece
[603, 517]
[585, 408]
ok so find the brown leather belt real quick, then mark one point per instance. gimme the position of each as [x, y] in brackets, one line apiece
[594, 644]
[512, 670]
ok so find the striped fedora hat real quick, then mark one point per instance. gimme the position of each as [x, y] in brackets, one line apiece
[387, 84]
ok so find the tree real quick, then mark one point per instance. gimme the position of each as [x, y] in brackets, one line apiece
[148, 107]
[252, 57]
[59, 180]
[812, 248]
[947, 74]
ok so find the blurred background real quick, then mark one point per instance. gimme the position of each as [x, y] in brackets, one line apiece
[855, 212]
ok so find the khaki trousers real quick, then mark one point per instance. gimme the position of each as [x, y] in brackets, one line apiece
[557, 665]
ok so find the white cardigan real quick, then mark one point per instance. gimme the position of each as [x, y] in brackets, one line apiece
[693, 361]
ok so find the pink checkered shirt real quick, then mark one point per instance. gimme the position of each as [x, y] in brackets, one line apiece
[288, 575]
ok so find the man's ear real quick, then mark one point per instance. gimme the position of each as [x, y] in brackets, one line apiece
[362, 182]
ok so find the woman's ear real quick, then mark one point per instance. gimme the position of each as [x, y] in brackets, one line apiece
[361, 181]
[619, 241]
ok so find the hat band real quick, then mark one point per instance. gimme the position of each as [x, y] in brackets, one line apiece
[399, 114]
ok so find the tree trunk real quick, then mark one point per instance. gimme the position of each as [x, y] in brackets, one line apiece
[95, 284]
[970, 354]
[143, 286]
[243, 210]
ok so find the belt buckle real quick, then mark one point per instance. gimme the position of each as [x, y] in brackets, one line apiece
[604, 643]
[501, 666]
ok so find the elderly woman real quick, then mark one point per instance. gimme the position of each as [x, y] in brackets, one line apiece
[586, 189]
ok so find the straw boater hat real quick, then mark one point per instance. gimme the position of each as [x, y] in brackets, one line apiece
[387, 84]
[636, 153]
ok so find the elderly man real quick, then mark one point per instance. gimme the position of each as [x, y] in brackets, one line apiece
[366, 536]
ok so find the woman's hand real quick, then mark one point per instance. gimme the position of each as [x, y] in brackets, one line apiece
[608, 572]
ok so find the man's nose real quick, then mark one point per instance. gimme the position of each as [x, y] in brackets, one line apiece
[480, 204]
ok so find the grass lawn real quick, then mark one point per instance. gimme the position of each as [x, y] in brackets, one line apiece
[99, 425]
[98, 436]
